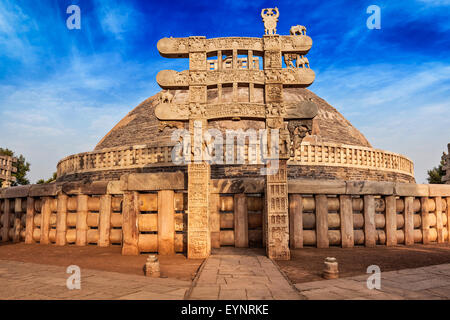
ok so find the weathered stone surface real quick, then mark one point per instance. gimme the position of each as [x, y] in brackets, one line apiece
[411, 189]
[237, 185]
[95, 187]
[16, 192]
[369, 187]
[304, 186]
[40, 190]
[439, 190]
[153, 181]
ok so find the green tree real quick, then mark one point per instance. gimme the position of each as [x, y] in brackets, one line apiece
[435, 175]
[42, 181]
[22, 167]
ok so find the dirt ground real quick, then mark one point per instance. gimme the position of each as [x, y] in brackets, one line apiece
[93, 257]
[307, 264]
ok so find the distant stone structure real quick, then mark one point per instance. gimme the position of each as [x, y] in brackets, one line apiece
[6, 169]
[446, 157]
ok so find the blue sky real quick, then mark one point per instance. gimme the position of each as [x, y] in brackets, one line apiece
[61, 90]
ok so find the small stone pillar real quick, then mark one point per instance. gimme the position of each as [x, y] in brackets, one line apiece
[151, 267]
[331, 270]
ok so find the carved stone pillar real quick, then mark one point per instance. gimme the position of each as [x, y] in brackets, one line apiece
[199, 237]
[277, 219]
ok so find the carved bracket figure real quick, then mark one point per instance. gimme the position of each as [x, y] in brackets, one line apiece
[165, 97]
[270, 19]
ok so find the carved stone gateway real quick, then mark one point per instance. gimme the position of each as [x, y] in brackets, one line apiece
[6, 169]
[446, 157]
[218, 63]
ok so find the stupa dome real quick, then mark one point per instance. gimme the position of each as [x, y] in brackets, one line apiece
[140, 142]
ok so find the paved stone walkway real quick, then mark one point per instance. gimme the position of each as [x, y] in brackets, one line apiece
[241, 274]
[29, 281]
[229, 273]
[432, 282]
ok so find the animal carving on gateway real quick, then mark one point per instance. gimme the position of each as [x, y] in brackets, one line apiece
[298, 30]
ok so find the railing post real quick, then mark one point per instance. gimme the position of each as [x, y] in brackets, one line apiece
[322, 221]
[369, 221]
[45, 220]
[409, 221]
[439, 222]
[424, 211]
[129, 225]
[29, 221]
[6, 213]
[17, 219]
[295, 221]
[166, 222]
[346, 214]
[391, 221]
[61, 220]
[82, 212]
[104, 227]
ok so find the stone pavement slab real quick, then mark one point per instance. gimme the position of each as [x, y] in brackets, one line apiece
[241, 274]
[19, 280]
[432, 282]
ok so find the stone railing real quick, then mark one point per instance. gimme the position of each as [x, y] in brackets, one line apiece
[330, 154]
[367, 213]
[103, 213]
[308, 154]
[147, 213]
[115, 158]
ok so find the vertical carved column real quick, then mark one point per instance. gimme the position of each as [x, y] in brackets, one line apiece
[277, 228]
[104, 227]
[61, 220]
[29, 221]
[199, 236]
[295, 221]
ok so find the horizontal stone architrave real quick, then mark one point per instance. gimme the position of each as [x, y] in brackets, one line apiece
[246, 185]
[411, 190]
[153, 181]
[180, 47]
[311, 186]
[439, 190]
[307, 154]
[369, 187]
